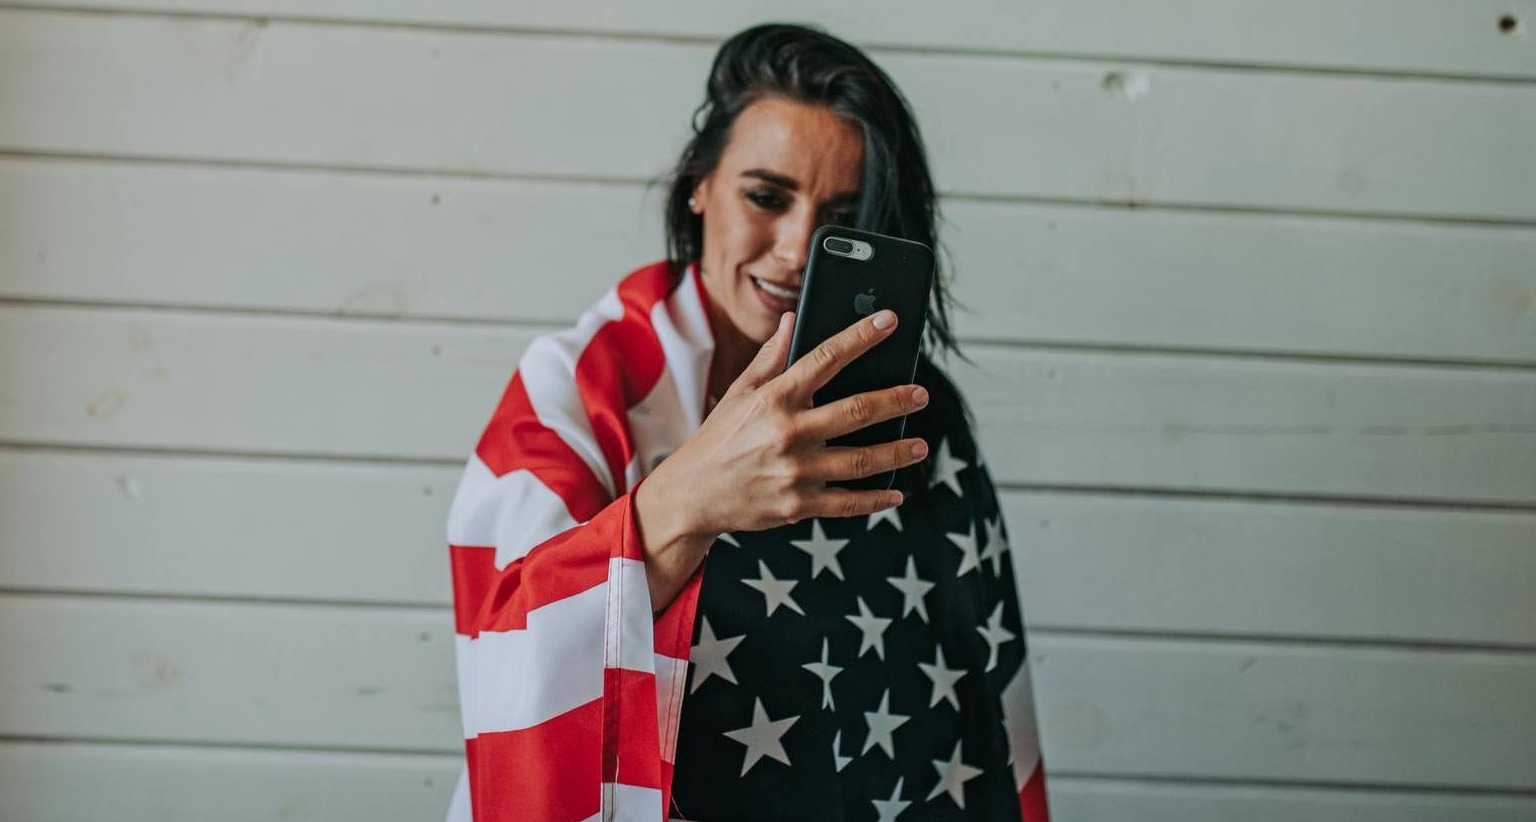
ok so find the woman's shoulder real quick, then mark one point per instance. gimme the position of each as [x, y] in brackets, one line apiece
[613, 331]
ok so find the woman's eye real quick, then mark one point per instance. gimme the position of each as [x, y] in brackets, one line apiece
[766, 199]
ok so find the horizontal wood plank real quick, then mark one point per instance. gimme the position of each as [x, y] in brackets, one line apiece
[344, 532]
[82, 782]
[1149, 564]
[229, 90]
[211, 527]
[413, 246]
[1278, 712]
[1076, 799]
[1406, 35]
[153, 379]
[308, 676]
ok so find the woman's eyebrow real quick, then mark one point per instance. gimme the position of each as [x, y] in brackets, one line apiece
[790, 184]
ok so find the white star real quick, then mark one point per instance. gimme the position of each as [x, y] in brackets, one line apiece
[891, 808]
[762, 737]
[995, 634]
[952, 777]
[996, 545]
[825, 673]
[823, 551]
[883, 723]
[872, 628]
[913, 588]
[708, 657]
[726, 537]
[944, 679]
[946, 468]
[838, 759]
[775, 591]
[893, 514]
[966, 542]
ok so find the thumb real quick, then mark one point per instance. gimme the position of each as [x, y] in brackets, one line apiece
[769, 362]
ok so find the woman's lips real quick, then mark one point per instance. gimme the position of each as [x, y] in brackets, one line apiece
[772, 301]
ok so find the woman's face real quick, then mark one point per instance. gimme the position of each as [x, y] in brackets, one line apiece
[786, 169]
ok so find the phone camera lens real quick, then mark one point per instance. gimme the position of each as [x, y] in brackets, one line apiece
[838, 246]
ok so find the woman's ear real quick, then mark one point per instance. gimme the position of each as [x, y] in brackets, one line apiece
[700, 194]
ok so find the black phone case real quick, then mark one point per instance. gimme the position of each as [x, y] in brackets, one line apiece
[899, 275]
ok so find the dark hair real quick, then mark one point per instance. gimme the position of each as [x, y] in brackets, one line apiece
[896, 194]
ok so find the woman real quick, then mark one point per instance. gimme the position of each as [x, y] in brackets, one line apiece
[841, 654]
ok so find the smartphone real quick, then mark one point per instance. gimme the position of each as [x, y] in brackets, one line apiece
[849, 275]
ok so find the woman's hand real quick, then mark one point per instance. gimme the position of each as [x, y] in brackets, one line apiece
[760, 459]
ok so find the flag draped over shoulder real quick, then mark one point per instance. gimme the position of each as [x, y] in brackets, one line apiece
[570, 690]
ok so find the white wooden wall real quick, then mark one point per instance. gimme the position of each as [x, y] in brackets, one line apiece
[1254, 292]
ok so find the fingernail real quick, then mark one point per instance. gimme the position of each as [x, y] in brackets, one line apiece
[920, 396]
[884, 319]
[920, 449]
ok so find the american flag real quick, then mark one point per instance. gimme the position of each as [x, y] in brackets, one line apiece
[572, 694]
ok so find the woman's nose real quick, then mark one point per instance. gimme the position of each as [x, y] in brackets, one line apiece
[793, 246]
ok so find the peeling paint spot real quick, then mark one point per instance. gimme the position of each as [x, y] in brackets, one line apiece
[1130, 85]
[56, 688]
[104, 406]
[1510, 25]
[437, 199]
[130, 487]
[157, 672]
[369, 690]
[140, 340]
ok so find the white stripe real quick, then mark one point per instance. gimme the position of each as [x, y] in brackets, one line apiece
[515, 512]
[548, 369]
[628, 803]
[671, 674]
[464, 654]
[530, 675]
[1019, 721]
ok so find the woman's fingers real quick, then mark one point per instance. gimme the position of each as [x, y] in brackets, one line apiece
[839, 463]
[769, 361]
[849, 414]
[843, 502]
[812, 371]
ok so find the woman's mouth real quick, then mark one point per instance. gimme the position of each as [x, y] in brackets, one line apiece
[775, 296]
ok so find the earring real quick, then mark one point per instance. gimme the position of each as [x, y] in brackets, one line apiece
[693, 205]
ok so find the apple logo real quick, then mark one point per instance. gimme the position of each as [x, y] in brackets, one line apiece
[865, 303]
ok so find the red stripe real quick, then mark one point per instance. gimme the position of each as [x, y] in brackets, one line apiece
[474, 569]
[1032, 798]
[547, 772]
[515, 438]
[621, 365]
[632, 755]
[567, 563]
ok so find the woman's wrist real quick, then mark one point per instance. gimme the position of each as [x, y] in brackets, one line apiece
[673, 543]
